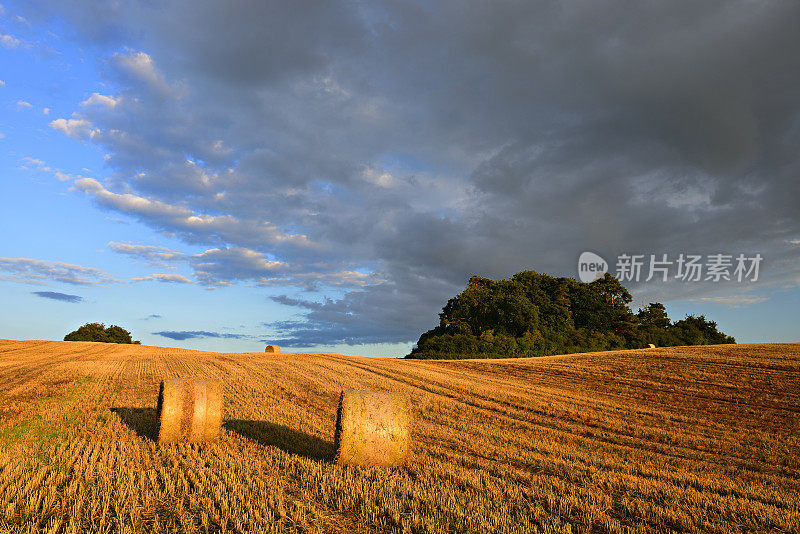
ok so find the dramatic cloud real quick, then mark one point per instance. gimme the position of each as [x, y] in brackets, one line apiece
[402, 147]
[40, 272]
[194, 334]
[224, 266]
[389, 312]
[233, 263]
[63, 297]
[194, 227]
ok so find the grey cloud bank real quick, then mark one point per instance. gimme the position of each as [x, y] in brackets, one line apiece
[417, 144]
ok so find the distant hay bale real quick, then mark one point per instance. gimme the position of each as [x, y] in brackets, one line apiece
[272, 348]
[651, 345]
[189, 410]
[372, 428]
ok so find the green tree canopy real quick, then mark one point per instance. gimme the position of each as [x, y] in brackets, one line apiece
[99, 333]
[534, 314]
[655, 314]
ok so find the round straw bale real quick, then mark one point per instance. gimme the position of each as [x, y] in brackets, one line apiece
[372, 428]
[189, 410]
[272, 348]
[651, 345]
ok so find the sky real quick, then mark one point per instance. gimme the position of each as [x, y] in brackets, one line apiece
[220, 175]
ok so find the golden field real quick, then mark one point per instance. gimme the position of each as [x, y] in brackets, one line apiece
[688, 439]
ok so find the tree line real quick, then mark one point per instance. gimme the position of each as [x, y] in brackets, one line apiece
[534, 314]
[99, 333]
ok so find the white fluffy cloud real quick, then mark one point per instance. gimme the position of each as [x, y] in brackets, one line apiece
[75, 128]
[96, 99]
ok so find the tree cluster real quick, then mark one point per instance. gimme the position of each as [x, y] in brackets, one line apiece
[98, 332]
[535, 314]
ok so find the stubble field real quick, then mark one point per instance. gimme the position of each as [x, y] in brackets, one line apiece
[700, 439]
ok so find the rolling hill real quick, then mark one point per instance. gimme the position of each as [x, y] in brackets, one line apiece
[686, 439]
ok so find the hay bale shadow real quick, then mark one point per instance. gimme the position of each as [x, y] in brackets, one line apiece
[285, 438]
[143, 421]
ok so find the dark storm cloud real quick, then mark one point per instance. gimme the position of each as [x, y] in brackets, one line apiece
[382, 313]
[427, 142]
[197, 334]
[63, 297]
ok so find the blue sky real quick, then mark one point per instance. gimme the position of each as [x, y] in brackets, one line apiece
[224, 175]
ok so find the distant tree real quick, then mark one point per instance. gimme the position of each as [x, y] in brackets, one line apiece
[655, 314]
[698, 331]
[99, 333]
[117, 334]
[89, 332]
[534, 314]
[614, 293]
